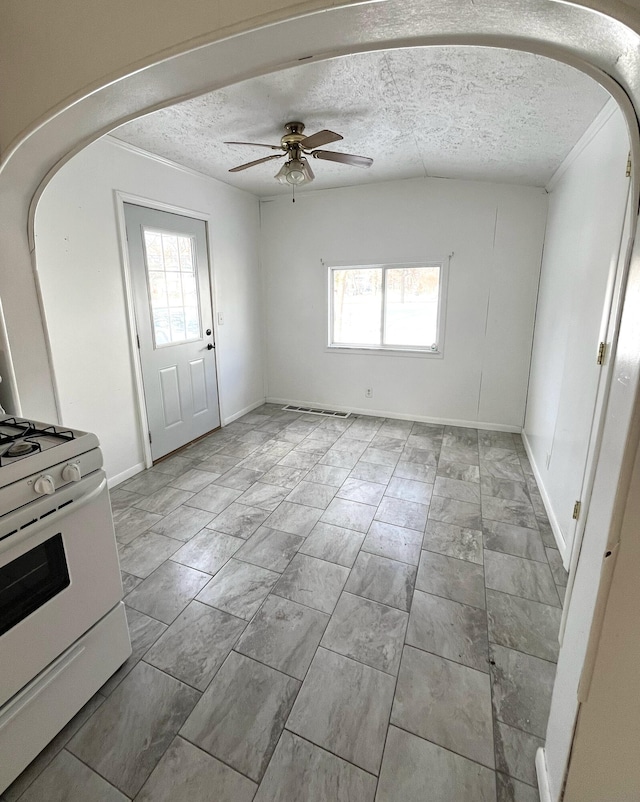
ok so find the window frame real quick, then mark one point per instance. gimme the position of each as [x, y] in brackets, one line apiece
[389, 350]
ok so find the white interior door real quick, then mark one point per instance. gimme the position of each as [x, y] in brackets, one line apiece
[593, 280]
[172, 297]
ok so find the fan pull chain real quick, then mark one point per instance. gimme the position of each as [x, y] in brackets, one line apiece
[293, 193]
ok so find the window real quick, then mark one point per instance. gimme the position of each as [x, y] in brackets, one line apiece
[173, 290]
[392, 307]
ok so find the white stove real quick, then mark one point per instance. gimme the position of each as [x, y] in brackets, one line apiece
[63, 630]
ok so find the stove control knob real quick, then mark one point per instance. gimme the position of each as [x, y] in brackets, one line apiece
[71, 473]
[44, 485]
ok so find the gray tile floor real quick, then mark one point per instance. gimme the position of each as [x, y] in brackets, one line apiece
[324, 609]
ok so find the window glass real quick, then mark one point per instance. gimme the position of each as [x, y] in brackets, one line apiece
[411, 309]
[357, 299]
[173, 289]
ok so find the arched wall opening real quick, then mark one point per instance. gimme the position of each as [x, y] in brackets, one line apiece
[564, 32]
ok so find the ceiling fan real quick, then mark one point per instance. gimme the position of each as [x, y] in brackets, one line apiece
[296, 147]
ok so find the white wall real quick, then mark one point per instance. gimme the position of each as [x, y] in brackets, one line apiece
[79, 263]
[582, 244]
[495, 232]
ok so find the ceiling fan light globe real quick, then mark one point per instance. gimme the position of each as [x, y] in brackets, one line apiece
[281, 175]
[296, 176]
[295, 172]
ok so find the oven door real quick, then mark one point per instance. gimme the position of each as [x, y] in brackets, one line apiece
[59, 575]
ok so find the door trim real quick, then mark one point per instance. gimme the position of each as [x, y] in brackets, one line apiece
[120, 198]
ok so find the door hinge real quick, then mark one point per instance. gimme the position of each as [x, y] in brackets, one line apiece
[576, 510]
[150, 440]
[138, 341]
[628, 172]
[602, 350]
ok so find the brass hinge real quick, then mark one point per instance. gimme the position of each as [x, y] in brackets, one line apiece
[628, 173]
[602, 350]
[576, 510]
[150, 440]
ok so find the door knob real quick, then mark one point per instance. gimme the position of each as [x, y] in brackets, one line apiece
[208, 332]
[210, 347]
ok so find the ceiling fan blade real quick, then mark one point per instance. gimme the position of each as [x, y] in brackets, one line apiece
[257, 161]
[343, 158]
[318, 139]
[255, 145]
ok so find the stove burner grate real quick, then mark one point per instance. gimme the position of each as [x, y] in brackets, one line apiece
[20, 439]
[24, 428]
[51, 431]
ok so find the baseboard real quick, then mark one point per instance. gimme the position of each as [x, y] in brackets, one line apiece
[122, 477]
[245, 411]
[543, 778]
[555, 526]
[381, 413]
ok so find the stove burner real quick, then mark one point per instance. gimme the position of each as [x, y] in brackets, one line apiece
[21, 449]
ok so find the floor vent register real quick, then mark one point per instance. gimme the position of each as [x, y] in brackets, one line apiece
[328, 413]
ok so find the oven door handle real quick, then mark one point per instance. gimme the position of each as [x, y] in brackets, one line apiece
[29, 520]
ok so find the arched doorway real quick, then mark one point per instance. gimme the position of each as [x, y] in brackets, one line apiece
[560, 33]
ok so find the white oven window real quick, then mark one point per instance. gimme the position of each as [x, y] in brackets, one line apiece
[32, 580]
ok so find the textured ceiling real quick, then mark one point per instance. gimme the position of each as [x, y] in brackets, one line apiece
[457, 112]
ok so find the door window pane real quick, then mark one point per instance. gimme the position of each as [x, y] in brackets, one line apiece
[153, 244]
[178, 330]
[173, 288]
[189, 289]
[357, 300]
[161, 327]
[170, 252]
[192, 322]
[157, 288]
[186, 258]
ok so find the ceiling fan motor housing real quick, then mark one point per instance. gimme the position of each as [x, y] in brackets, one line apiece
[291, 140]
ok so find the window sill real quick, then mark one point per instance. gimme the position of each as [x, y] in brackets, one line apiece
[397, 352]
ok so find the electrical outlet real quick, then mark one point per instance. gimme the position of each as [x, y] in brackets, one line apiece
[368, 393]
